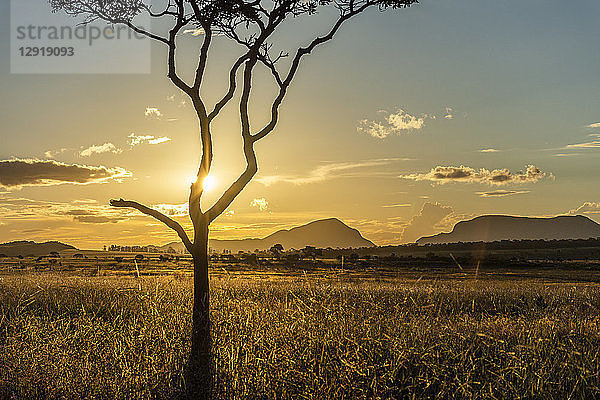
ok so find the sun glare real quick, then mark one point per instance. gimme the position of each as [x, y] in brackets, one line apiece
[209, 182]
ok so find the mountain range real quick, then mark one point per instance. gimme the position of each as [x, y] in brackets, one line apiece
[323, 233]
[490, 228]
[334, 233]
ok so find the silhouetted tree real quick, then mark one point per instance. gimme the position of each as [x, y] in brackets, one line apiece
[253, 25]
[311, 251]
[276, 250]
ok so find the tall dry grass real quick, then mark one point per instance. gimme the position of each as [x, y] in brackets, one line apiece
[293, 337]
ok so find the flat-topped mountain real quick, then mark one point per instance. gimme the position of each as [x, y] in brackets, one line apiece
[30, 248]
[490, 228]
[323, 233]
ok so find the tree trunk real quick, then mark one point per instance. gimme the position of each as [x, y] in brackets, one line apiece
[200, 361]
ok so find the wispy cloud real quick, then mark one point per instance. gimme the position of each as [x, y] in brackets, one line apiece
[443, 174]
[195, 32]
[135, 140]
[502, 193]
[94, 217]
[426, 222]
[392, 123]
[99, 149]
[159, 140]
[489, 150]
[587, 208]
[79, 211]
[594, 144]
[200, 32]
[181, 102]
[566, 154]
[97, 219]
[261, 203]
[155, 113]
[591, 144]
[594, 125]
[330, 171]
[32, 172]
[396, 205]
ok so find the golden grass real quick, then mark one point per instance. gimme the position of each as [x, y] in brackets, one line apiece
[300, 337]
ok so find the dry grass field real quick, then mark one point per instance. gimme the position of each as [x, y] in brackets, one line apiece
[67, 336]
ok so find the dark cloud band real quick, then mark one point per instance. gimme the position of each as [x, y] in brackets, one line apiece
[32, 172]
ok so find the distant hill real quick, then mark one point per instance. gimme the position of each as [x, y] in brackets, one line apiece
[29, 248]
[323, 233]
[489, 228]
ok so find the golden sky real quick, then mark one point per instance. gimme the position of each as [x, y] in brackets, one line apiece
[406, 123]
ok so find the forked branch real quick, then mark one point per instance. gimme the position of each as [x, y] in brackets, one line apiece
[301, 52]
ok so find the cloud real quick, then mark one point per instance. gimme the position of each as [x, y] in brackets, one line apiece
[153, 112]
[261, 203]
[449, 114]
[99, 149]
[54, 153]
[329, 171]
[396, 205]
[85, 211]
[173, 210]
[594, 144]
[594, 125]
[502, 193]
[195, 32]
[32, 172]
[426, 222]
[181, 102]
[200, 32]
[392, 123]
[489, 151]
[159, 140]
[93, 217]
[78, 212]
[85, 201]
[97, 219]
[587, 208]
[442, 174]
[566, 154]
[135, 140]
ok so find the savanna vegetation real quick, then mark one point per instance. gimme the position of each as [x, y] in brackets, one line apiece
[325, 335]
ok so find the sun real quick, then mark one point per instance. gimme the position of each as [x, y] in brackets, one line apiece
[209, 182]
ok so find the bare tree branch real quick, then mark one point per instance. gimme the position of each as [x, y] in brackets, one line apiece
[142, 31]
[171, 223]
[231, 90]
[251, 165]
[302, 51]
[166, 11]
[269, 63]
[172, 70]
[203, 58]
